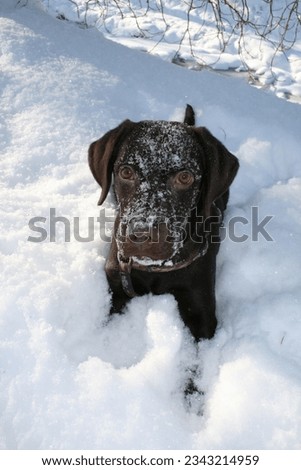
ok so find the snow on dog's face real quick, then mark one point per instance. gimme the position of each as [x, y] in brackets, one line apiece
[162, 172]
[157, 178]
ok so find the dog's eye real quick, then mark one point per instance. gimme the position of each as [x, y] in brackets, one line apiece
[183, 179]
[126, 173]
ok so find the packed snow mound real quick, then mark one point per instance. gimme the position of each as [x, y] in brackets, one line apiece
[69, 377]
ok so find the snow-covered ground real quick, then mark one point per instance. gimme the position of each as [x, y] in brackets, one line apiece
[72, 380]
[185, 32]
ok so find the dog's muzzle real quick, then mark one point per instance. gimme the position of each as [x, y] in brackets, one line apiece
[148, 238]
[136, 248]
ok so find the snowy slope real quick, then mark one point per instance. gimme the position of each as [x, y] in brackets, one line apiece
[186, 32]
[71, 380]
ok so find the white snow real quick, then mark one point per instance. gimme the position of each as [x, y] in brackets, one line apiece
[186, 32]
[69, 378]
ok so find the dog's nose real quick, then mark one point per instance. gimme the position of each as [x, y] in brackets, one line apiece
[142, 230]
[139, 230]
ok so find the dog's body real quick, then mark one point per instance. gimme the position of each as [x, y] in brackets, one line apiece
[171, 182]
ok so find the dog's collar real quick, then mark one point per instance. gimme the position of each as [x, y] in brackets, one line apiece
[126, 266]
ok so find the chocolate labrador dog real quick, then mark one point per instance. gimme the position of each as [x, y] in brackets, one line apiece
[171, 182]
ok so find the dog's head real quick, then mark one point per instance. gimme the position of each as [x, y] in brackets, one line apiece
[163, 171]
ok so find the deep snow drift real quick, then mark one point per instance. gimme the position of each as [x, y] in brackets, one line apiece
[72, 380]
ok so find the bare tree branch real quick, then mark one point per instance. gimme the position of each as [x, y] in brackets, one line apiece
[276, 23]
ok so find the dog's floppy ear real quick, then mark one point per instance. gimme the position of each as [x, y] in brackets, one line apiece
[102, 155]
[220, 169]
